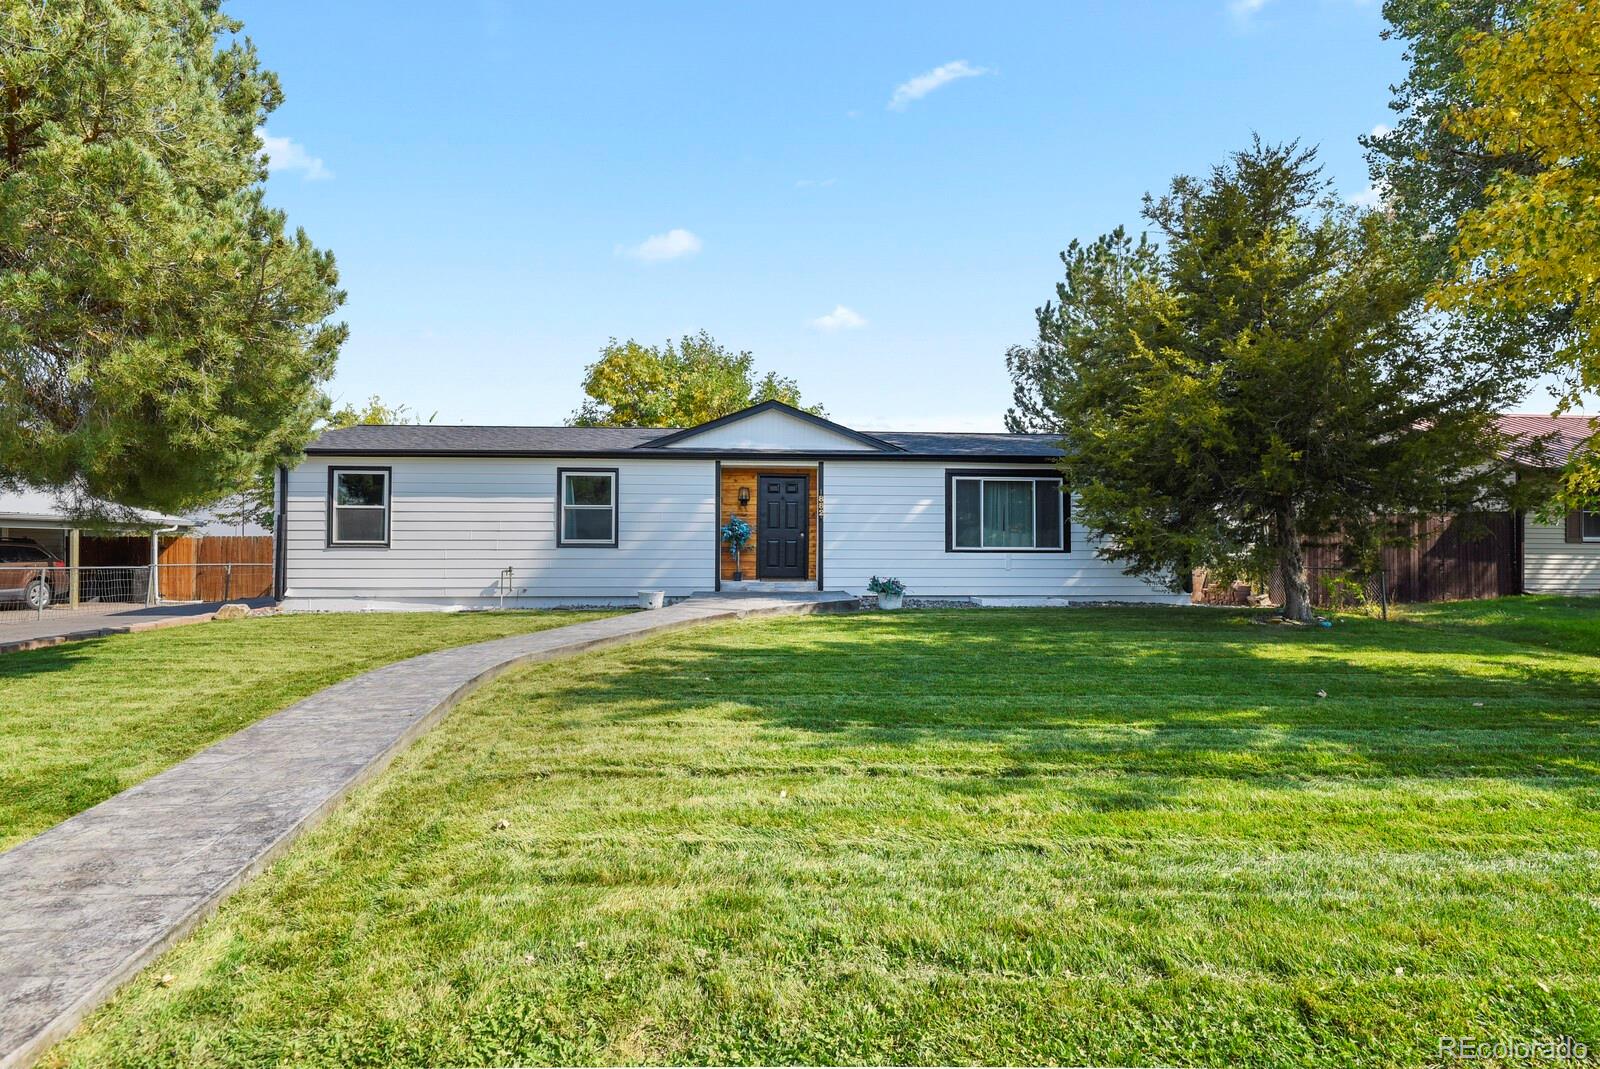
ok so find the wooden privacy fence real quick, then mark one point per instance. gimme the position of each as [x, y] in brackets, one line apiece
[1450, 558]
[208, 568]
[216, 568]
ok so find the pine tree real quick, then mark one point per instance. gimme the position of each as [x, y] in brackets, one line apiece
[162, 338]
[1264, 374]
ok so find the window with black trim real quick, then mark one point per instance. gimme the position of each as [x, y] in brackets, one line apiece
[1591, 526]
[586, 506]
[358, 506]
[1005, 512]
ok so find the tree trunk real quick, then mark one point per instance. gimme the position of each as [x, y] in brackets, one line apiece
[1292, 568]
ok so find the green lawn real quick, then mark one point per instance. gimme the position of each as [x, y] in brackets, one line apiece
[1091, 835]
[80, 722]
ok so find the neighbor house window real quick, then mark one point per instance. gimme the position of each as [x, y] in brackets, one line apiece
[1591, 526]
[1004, 511]
[358, 506]
[586, 507]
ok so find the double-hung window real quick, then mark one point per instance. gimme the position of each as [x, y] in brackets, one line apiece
[358, 506]
[1004, 511]
[1591, 526]
[586, 506]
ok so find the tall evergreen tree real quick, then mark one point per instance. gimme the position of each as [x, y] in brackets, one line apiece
[162, 338]
[1263, 374]
[254, 505]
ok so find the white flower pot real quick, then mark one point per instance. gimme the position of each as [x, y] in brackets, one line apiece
[652, 599]
[890, 601]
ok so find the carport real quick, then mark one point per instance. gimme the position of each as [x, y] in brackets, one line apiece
[37, 515]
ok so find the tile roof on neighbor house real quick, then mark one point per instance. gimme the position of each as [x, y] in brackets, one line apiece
[1544, 441]
[431, 440]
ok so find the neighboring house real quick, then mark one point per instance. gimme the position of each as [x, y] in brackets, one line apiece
[38, 516]
[1561, 557]
[94, 559]
[438, 516]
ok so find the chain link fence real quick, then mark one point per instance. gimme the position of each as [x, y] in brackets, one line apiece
[57, 589]
[1351, 590]
[1336, 589]
[1342, 590]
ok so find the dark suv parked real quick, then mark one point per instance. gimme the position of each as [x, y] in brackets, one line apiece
[29, 573]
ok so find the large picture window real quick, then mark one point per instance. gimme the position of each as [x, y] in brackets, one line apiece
[358, 506]
[586, 507]
[1005, 512]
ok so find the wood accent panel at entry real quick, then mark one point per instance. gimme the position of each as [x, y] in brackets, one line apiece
[732, 480]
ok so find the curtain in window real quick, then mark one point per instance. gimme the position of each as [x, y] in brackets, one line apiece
[1008, 513]
[969, 514]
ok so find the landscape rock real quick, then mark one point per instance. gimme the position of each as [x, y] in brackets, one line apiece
[232, 611]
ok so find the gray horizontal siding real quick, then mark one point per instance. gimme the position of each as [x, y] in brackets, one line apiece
[456, 522]
[890, 520]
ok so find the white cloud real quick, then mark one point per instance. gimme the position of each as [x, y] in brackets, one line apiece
[674, 244]
[1381, 131]
[1242, 10]
[841, 318]
[285, 155]
[926, 82]
[1374, 196]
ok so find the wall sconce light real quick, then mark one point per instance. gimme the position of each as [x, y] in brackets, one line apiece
[744, 496]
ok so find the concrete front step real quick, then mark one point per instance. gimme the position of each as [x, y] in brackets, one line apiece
[820, 600]
[770, 586]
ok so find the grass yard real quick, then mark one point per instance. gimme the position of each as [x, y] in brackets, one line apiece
[80, 722]
[1092, 835]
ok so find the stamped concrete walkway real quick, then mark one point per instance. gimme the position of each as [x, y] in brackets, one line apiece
[87, 904]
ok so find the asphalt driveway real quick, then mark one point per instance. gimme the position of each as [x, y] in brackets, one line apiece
[22, 628]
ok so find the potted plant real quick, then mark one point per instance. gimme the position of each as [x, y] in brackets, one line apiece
[890, 591]
[736, 533]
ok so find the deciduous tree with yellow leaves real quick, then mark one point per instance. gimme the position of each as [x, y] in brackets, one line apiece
[1533, 244]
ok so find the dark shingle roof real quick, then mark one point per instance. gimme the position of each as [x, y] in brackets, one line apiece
[429, 439]
[955, 443]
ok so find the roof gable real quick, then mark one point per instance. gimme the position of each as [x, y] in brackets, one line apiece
[773, 426]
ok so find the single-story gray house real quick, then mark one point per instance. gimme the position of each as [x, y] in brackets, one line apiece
[405, 517]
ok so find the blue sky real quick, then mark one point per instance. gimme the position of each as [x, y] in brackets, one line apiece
[869, 197]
